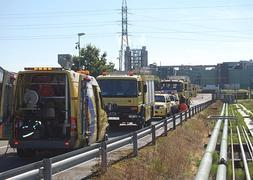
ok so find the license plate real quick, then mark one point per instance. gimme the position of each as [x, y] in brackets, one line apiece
[113, 118]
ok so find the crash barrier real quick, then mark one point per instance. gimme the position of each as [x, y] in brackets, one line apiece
[48, 167]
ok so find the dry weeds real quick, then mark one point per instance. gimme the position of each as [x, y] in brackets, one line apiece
[176, 156]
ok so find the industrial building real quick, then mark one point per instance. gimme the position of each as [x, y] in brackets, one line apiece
[136, 58]
[226, 75]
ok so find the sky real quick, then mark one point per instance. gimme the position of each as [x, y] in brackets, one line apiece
[182, 32]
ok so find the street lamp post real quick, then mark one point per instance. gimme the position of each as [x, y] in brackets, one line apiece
[78, 46]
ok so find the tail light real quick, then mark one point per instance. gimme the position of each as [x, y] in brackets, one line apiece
[73, 126]
[16, 142]
[66, 143]
[18, 124]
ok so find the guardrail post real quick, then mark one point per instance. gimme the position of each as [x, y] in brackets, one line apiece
[135, 144]
[181, 118]
[189, 113]
[195, 110]
[104, 156]
[153, 134]
[47, 169]
[165, 133]
[174, 122]
[185, 114]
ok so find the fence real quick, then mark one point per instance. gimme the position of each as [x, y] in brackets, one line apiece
[48, 167]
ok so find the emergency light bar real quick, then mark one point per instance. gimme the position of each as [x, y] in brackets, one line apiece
[86, 72]
[41, 68]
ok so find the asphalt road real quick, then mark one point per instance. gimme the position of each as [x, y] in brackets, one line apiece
[10, 160]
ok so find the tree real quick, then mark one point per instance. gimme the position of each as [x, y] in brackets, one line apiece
[90, 59]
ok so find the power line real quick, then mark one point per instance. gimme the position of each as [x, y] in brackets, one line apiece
[190, 7]
[157, 19]
[55, 36]
[57, 26]
[98, 11]
[196, 40]
[135, 34]
[57, 13]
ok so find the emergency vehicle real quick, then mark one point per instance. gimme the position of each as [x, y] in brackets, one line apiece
[128, 98]
[6, 94]
[56, 109]
[177, 85]
[162, 105]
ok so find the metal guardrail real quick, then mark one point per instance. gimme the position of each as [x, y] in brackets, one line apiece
[48, 167]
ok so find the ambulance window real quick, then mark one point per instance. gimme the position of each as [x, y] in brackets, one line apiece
[96, 98]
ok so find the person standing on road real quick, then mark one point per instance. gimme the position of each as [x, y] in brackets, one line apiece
[182, 103]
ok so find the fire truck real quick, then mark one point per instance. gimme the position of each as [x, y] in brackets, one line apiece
[56, 109]
[177, 85]
[128, 98]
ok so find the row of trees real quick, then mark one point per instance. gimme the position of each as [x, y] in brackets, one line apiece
[91, 59]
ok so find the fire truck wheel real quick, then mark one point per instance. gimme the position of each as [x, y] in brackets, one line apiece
[114, 124]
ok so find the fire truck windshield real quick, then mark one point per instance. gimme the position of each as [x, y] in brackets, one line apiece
[118, 87]
[159, 98]
[172, 86]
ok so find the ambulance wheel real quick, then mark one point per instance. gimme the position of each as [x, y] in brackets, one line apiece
[141, 122]
[25, 152]
[105, 138]
[141, 125]
[148, 123]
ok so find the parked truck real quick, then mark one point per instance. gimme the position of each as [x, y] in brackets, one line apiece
[128, 98]
[177, 85]
[56, 109]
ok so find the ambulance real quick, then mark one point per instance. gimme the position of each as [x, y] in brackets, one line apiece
[56, 109]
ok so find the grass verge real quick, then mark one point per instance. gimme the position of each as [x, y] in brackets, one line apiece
[176, 156]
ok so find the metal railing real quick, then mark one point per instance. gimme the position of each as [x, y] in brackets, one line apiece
[48, 167]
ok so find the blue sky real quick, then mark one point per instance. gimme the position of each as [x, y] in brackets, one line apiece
[178, 32]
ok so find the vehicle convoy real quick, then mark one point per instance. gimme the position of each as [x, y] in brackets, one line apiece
[128, 98]
[56, 109]
[162, 105]
[177, 85]
[6, 94]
